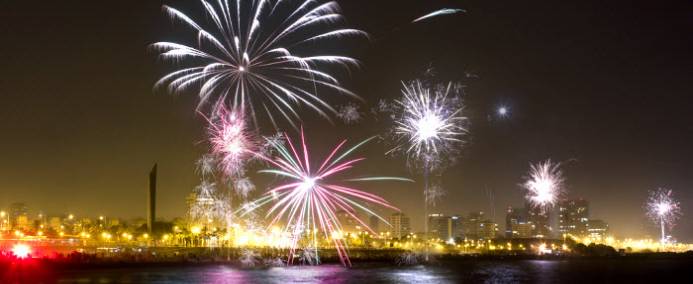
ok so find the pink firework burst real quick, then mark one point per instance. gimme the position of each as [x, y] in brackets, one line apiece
[230, 140]
[311, 197]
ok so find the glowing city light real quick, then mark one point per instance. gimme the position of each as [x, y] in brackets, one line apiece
[21, 250]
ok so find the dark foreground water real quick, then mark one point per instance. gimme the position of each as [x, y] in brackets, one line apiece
[616, 270]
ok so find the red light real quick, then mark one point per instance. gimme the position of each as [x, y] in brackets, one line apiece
[21, 250]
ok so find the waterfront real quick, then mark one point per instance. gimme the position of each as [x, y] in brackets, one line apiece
[583, 270]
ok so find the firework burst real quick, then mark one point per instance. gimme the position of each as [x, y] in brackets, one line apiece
[663, 209]
[431, 121]
[249, 55]
[350, 114]
[311, 197]
[429, 128]
[206, 166]
[544, 184]
[231, 141]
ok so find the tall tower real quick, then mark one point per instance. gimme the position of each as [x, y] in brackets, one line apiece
[151, 199]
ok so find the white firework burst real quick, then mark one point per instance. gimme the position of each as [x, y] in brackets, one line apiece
[431, 121]
[206, 165]
[243, 186]
[434, 193]
[545, 184]
[663, 209]
[267, 147]
[252, 55]
[349, 113]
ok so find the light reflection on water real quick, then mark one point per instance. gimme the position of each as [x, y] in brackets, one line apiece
[295, 274]
[471, 270]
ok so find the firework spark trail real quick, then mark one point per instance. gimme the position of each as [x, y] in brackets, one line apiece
[446, 11]
[249, 57]
[545, 184]
[309, 199]
[663, 209]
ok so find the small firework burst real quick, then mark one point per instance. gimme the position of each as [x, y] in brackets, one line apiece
[431, 123]
[544, 184]
[267, 147]
[231, 141]
[434, 193]
[206, 165]
[349, 113]
[663, 209]
[243, 186]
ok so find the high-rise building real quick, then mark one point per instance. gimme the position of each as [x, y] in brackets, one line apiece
[400, 225]
[597, 229]
[440, 226]
[523, 230]
[471, 224]
[18, 210]
[539, 217]
[513, 218]
[457, 223]
[573, 216]
[486, 230]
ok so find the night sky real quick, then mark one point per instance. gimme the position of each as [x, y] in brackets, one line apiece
[603, 86]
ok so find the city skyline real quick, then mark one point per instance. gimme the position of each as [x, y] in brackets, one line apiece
[592, 103]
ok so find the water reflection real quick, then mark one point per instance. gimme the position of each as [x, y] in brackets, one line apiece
[501, 273]
[456, 271]
[544, 271]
